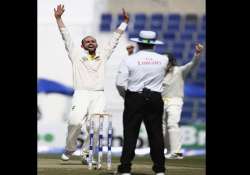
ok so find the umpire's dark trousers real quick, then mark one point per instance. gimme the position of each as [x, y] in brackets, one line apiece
[146, 106]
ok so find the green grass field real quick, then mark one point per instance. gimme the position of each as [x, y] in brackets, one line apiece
[52, 165]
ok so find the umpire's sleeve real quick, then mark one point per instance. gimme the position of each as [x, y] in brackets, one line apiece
[122, 78]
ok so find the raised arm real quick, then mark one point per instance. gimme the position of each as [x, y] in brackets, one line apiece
[116, 36]
[194, 62]
[69, 45]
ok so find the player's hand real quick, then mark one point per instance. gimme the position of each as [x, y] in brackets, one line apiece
[59, 11]
[198, 49]
[125, 16]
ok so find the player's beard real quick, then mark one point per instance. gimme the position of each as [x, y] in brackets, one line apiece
[93, 49]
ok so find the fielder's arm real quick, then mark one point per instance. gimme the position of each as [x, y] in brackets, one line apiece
[69, 45]
[116, 36]
[187, 68]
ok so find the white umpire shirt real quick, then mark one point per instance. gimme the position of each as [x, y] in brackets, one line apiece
[89, 74]
[144, 69]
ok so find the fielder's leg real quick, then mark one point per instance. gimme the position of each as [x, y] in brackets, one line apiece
[173, 130]
[77, 114]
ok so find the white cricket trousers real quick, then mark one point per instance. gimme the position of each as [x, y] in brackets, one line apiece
[84, 103]
[171, 119]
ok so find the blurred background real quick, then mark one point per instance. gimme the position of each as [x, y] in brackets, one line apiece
[179, 23]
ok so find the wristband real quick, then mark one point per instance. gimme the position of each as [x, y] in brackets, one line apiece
[123, 26]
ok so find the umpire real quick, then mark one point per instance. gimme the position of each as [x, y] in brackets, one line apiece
[139, 82]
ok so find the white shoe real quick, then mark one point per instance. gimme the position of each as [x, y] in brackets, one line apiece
[160, 174]
[64, 157]
[174, 156]
[167, 155]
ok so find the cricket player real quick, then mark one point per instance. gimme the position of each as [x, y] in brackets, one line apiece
[88, 79]
[173, 94]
